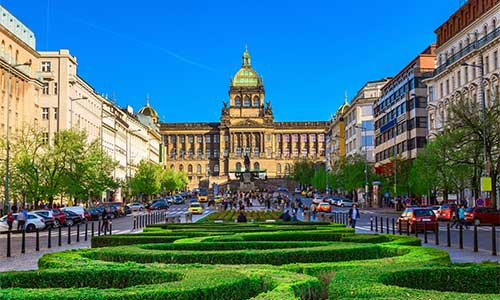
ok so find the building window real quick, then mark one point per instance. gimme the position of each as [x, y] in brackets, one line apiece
[200, 153]
[246, 102]
[367, 125]
[237, 101]
[295, 138]
[287, 168]
[303, 138]
[466, 74]
[198, 169]
[295, 152]
[45, 113]
[486, 64]
[172, 139]
[208, 153]
[181, 139]
[45, 138]
[45, 89]
[256, 151]
[190, 169]
[55, 113]
[216, 139]
[46, 66]
[495, 60]
[207, 139]
[216, 153]
[256, 166]
[238, 152]
[447, 86]
[216, 168]
[312, 138]
[55, 88]
[321, 138]
[366, 111]
[191, 139]
[256, 101]
[459, 79]
[238, 167]
[367, 141]
[278, 138]
[278, 168]
[181, 167]
[199, 138]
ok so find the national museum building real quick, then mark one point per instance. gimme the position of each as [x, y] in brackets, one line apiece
[214, 152]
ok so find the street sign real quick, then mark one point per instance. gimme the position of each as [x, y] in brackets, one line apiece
[480, 202]
[485, 184]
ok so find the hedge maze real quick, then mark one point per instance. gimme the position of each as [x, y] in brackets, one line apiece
[253, 261]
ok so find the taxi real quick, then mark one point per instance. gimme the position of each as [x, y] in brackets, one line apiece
[195, 208]
[218, 199]
[325, 207]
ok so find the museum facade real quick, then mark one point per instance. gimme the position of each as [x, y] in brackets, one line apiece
[214, 152]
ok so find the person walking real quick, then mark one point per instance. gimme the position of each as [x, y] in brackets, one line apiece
[461, 215]
[22, 216]
[10, 219]
[354, 215]
[313, 211]
[242, 218]
[456, 217]
[104, 217]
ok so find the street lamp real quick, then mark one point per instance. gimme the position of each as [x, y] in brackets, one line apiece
[363, 130]
[7, 149]
[483, 111]
[71, 115]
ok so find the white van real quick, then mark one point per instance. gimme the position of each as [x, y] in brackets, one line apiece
[77, 210]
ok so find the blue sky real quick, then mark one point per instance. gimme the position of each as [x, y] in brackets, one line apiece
[183, 52]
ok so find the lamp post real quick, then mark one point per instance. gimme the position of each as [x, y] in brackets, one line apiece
[483, 114]
[71, 109]
[7, 136]
[363, 130]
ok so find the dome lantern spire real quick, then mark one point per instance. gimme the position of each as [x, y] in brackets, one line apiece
[246, 57]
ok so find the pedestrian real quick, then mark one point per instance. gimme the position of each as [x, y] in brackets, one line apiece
[104, 216]
[22, 216]
[242, 218]
[313, 212]
[10, 219]
[354, 215]
[286, 216]
[294, 217]
[455, 216]
[461, 215]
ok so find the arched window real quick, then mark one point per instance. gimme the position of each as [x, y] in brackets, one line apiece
[278, 168]
[494, 24]
[246, 102]
[237, 101]
[256, 166]
[216, 168]
[3, 48]
[190, 169]
[485, 29]
[9, 55]
[238, 167]
[172, 166]
[287, 168]
[181, 167]
[16, 58]
[198, 169]
[256, 101]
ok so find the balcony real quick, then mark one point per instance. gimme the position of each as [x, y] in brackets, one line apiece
[469, 49]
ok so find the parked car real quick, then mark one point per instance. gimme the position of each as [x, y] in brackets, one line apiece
[87, 215]
[75, 209]
[482, 215]
[72, 218]
[345, 203]
[95, 213]
[136, 206]
[115, 209]
[435, 209]
[34, 221]
[318, 199]
[335, 200]
[325, 207]
[158, 205]
[417, 218]
[195, 208]
[59, 217]
[177, 199]
[282, 189]
[47, 216]
[445, 212]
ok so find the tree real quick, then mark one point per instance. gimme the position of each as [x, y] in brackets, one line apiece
[147, 179]
[303, 171]
[467, 118]
[173, 180]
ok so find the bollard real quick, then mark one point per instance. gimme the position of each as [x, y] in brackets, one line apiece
[436, 233]
[371, 223]
[416, 230]
[461, 237]
[49, 240]
[376, 224]
[393, 227]
[408, 227]
[493, 241]
[8, 243]
[23, 241]
[387, 225]
[92, 230]
[135, 222]
[99, 228]
[425, 233]
[59, 239]
[448, 235]
[69, 234]
[399, 227]
[78, 233]
[110, 227]
[37, 245]
[475, 239]
[86, 230]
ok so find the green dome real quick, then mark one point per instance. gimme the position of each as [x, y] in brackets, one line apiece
[247, 76]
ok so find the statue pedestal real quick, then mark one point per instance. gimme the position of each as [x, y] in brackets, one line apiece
[246, 184]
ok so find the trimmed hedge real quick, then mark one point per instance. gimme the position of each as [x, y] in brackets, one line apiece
[120, 240]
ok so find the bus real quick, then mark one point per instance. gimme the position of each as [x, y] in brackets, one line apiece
[202, 195]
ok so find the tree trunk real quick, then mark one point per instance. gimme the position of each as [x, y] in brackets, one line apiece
[494, 201]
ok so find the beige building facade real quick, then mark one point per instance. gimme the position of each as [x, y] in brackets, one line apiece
[215, 152]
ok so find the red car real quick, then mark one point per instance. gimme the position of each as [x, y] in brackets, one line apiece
[59, 217]
[325, 207]
[87, 215]
[417, 219]
[445, 212]
[482, 215]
